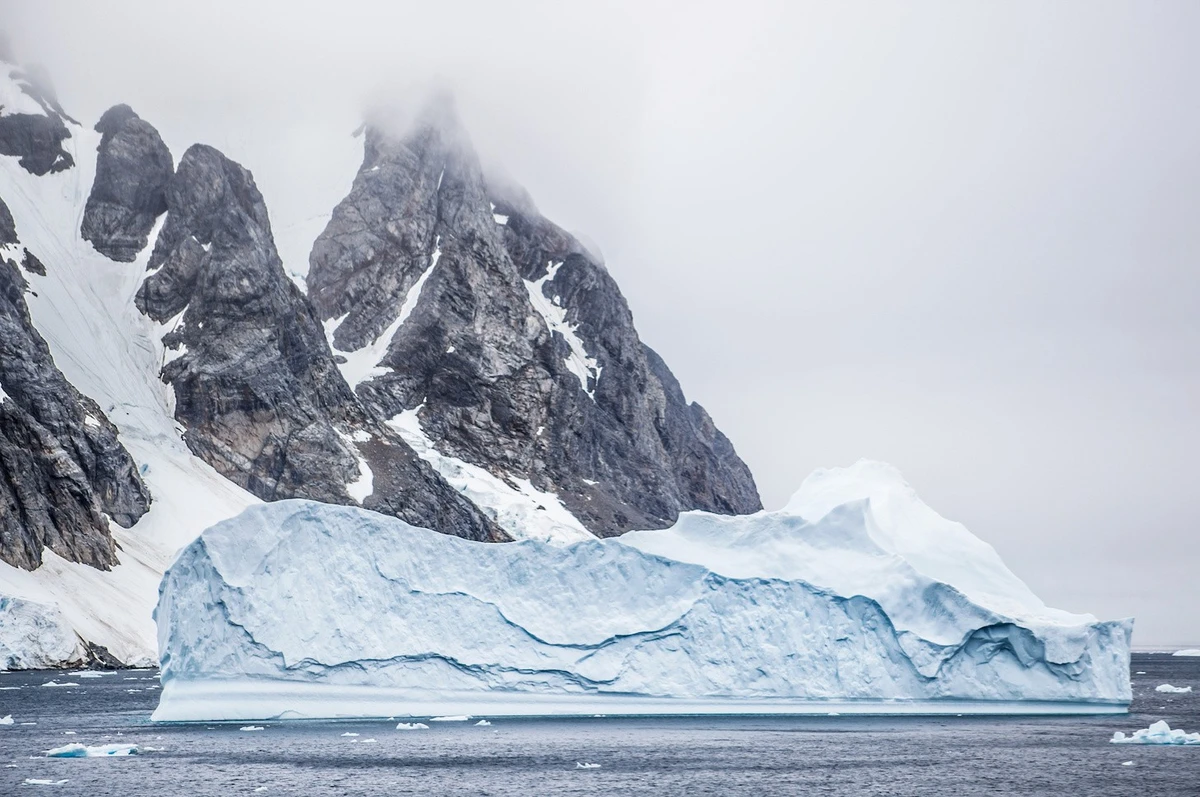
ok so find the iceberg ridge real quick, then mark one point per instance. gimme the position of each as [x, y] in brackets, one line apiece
[304, 609]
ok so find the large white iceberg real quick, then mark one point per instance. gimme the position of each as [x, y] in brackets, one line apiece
[856, 595]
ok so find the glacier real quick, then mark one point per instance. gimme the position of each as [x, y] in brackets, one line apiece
[855, 597]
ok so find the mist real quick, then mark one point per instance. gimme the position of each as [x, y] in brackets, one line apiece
[958, 238]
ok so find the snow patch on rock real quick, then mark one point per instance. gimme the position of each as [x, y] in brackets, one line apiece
[518, 507]
[363, 364]
[586, 369]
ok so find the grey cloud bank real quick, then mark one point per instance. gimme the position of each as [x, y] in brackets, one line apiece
[961, 239]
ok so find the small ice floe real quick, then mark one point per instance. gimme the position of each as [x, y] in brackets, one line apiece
[1140, 672]
[90, 674]
[451, 718]
[1187, 652]
[264, 788]
[100, 751]
[55, 683]
[482, 723]
[1158, 733]
[251, 728]
[10, 688]
[366, 741]
[348, 733]
[44, 782]
[1178, 690]
[834, 714]
[411, 726]
[6, 719]
[586, 765]
[1126, 763]
[68, 733]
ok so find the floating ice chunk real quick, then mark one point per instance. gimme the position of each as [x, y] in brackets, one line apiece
[1179, 690]
[1158, 733]
[451, 718]
[586, 765]
[411, 726]
[264, 788]
[367, 741]
[44, 782]
[348, 733]
[55, 683]
[77, 750]
[6, 719]
[482, 723]
[1126, 763]
[1140, 672]
[90, 674]
[1187, 652]
[68, 733]
[251, 728]
[621, 626]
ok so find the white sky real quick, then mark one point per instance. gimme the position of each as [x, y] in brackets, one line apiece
[961, 238]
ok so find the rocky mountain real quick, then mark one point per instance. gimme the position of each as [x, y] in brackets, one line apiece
[255, 383]
[63, 470]
[493, 339]
[458, 362]
[133, 167]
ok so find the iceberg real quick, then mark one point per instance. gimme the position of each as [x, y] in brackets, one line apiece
[1178, 690]
[1158, 733]
[1187, 652]
[856, 597]
[100, 751]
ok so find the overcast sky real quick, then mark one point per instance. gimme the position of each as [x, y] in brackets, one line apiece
[958, 237]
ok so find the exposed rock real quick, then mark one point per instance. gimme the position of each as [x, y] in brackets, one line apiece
[133, 167]
[8, 227]
[520, 350]
[256, 386]
[36, 138]
[62, 467]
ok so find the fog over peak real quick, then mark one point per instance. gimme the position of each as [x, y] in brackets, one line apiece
[958, 238]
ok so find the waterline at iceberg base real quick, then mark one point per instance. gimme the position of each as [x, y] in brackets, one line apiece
[854, 598]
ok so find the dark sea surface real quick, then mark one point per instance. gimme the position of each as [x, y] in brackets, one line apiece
[652, 756]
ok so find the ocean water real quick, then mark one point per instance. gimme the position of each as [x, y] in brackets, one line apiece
[650, 756]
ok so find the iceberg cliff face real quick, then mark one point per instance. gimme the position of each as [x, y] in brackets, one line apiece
[305, 609]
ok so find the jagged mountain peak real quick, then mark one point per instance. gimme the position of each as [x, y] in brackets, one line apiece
[496, 341]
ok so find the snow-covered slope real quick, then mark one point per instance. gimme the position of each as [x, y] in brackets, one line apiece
[303, 609]
[83, 307]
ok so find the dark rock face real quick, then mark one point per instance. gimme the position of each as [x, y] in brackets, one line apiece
[133, 167]
[36, 138]
[62, 467]
[520, 351]
[256, 385]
